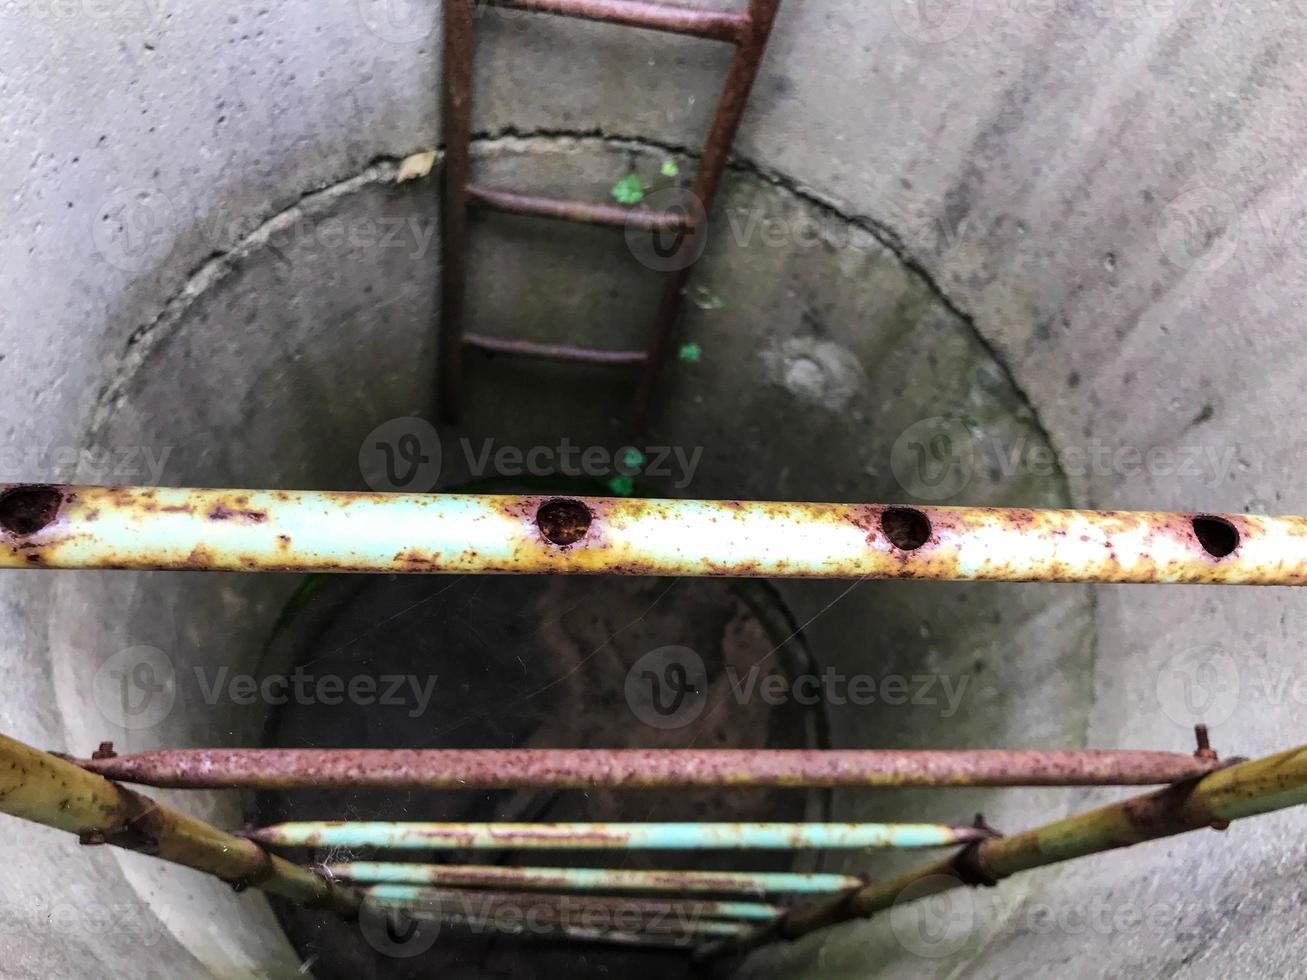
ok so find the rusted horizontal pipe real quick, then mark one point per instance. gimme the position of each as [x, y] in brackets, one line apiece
[48, 790]
[285, 769]
[487, 902]
[753, 883]
[612, 836]
[582, 212]
[627, 927]
[580, 934]
[671, 18]
[46, 526]
[553, 352]
[1244, 789]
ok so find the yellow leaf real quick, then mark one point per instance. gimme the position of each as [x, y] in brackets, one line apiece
[415, 167]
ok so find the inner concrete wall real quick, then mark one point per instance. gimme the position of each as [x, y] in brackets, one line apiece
[1098, 200]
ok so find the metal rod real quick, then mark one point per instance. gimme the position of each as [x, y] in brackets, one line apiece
[553, 352]
[457, 111]
[646, 940]
[486, 902]
[583, 212]
[1244, 789]
[286, 769]
[754, 883]
[603, 836]
[624, 927]
[48, 790]
[44, 526]
[725, 127]
[671, 18]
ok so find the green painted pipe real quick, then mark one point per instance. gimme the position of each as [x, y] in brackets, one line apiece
[594, 879]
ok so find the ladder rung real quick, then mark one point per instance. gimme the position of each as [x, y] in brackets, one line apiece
[585, 212]
[554, 352]
[716, 25]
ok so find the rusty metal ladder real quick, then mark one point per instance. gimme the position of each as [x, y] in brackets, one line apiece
[749, 31]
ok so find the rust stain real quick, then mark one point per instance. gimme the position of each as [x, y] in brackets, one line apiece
[221, 512]
[26, 509]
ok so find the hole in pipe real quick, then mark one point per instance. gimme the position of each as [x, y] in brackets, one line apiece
[1218, 536]
[906, 527]
[25, 510]
[563, 522]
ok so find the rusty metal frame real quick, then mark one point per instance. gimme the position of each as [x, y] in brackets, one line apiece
[46, 789]
[431, 769]
[749, 31]
[62, 526]
[55, 791]
[712, 165]
[697, 836]
[1243, 789]
[750, 884]
[563, 904]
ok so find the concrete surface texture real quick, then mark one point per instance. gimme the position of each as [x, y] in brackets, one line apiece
[1071, 235]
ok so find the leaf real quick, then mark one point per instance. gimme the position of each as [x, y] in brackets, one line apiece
[622, 486]
[415, 167]
[670, 169]
[706, 299]
[629, 190]
[691, 353]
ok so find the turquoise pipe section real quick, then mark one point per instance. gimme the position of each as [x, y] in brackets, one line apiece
[595, 879]
[588, 836]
